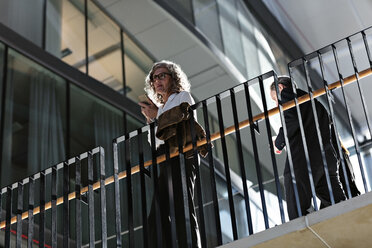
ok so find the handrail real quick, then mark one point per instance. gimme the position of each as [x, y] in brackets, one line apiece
[215, 136]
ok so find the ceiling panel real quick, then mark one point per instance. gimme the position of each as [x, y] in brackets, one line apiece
[206, 76]
[317, 23]
[165, 39]
[189, 57]
[136, 15]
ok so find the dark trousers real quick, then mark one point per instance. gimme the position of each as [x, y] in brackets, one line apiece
[320, 183]
[171, 170]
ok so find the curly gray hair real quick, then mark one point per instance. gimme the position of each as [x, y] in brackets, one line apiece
[179, 80]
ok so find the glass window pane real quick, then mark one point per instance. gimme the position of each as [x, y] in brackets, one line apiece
[206, 19]
[65, 27]
[105, 57]
[137, 65]
[93, 123]
[54, 28]
[248, 27]
[24, 17]
[182, 7]
[231, 33]
[34, 125]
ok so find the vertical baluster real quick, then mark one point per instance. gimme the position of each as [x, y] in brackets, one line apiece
[172, 215]
[227, 168]
[117, 194]
[202, 230]
[42, 211]
[31, 202]
[159, 241]
[102, 169]
[128, 169]
[78, 202]
[212, 175]
[184, 186]
[258, 166]
[19, 214]
[54, 206]
[8, 216]
[241, 160]
[91, 201]
[143, 188]
[66, 203]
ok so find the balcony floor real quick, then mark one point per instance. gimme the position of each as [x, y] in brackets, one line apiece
[346, 224]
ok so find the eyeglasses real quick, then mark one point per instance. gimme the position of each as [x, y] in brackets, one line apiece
[160, 76]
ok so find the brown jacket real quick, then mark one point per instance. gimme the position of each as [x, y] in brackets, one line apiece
[179, 118]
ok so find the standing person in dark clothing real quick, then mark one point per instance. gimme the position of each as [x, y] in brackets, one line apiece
[314, 151]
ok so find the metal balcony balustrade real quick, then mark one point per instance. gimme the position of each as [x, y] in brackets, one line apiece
[35, 200]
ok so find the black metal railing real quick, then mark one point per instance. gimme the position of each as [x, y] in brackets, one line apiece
[81, 202]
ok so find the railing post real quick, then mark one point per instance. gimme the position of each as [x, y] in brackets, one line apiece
[195, 158]
[227, 169]
[42, 211]
[66, 203]
[78, 202]
[91, 201]
[19, 214]
[143, 189]
[102, 170]
[54, 206]
[128, 169]
[31, 202]
[8, 215]
[185, 192]
[212, 175]
[117, 194]
[157, 219]
[168, 167]
[241, 160]
[258, 166]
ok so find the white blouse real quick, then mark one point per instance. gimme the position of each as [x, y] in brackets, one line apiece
[174, 100]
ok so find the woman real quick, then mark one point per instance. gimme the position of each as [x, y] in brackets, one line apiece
[169, 100]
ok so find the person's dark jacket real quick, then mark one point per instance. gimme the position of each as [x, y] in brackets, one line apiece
[294, 133]
[174, 124]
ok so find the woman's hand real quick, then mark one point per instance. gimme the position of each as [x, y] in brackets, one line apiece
[149, 110]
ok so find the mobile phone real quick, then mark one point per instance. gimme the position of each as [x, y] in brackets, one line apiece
[144, 99]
